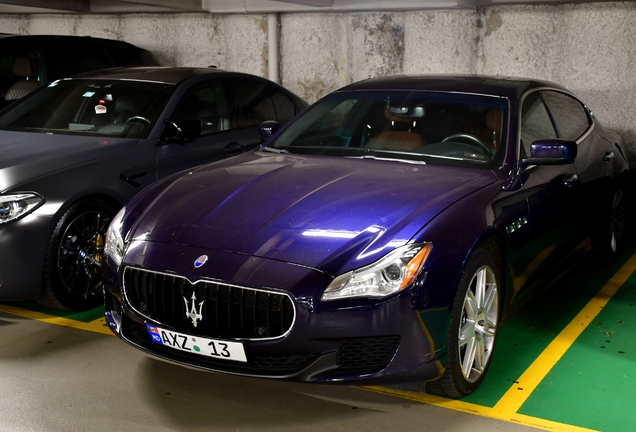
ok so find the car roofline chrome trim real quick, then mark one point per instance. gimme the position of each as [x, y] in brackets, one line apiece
[119, 79]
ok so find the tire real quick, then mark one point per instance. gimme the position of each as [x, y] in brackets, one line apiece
[72, 275]
[473, 328]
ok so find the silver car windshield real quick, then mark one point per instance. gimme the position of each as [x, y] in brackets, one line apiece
[118, 108]
[428, 126]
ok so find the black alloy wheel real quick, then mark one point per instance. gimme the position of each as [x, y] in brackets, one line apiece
[73, 260]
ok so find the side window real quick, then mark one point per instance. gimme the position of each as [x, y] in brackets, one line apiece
[254, 104]
[535, 122]
[120, 56]
[569, 114]
[205, 103]
[285, 108]
[72, 59]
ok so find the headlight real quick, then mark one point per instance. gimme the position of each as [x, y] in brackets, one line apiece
[15, 206]
[114, 247]
[389, 275]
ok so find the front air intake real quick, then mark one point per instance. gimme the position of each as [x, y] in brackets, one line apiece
[207, 308]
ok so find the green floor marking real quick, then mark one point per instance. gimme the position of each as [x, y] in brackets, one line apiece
[593, 383]
[86, 316]
[530, 330]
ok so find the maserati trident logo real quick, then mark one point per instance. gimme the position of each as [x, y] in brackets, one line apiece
[192, 313]
[200, 261]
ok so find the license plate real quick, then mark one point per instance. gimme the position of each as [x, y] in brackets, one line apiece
[220, 349]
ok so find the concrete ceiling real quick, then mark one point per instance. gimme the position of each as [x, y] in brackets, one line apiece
[248, 6]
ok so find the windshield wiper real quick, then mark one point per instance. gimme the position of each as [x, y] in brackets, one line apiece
[367, 156]
[274, 150]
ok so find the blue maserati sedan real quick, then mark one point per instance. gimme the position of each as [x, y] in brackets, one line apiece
[381, 236]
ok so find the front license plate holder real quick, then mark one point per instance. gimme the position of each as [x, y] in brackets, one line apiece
[215, 348]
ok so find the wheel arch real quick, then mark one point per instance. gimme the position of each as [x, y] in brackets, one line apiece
[493, 242]
[102, 196]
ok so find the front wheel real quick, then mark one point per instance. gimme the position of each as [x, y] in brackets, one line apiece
[73, 260]
[473, 329]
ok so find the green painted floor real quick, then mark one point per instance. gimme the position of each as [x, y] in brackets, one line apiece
[591, 386]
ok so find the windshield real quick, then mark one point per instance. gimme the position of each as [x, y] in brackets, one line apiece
[90, 107]
[421, 126]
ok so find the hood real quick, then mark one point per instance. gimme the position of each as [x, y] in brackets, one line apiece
[328, 213]
[28, 155]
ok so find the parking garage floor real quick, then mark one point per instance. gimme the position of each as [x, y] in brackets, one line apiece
[565, 362]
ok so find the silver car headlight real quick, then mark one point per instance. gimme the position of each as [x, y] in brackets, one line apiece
[114, 247]
[15, 206]
[392, 273]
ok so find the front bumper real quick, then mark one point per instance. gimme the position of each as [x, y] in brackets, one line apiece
[22, 247]
[374, 342]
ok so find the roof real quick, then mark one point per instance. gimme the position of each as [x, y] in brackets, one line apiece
[164, 74]
[15, 38]
[479, 84]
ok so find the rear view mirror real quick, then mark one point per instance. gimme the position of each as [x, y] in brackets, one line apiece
[180, 131]
[267, 129]
[551, 152]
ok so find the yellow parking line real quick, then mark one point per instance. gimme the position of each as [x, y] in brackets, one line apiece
[480, 410]
[506, 408]
[96, 326]
[516, 395]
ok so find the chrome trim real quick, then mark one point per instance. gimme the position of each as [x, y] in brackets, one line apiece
[268, 291]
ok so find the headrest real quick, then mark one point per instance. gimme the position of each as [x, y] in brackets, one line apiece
[494, 116]
[24, 66]
[124, 102]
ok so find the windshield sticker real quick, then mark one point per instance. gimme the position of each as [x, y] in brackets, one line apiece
[88, 94]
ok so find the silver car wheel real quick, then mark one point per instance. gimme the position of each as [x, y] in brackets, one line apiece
[480, 315]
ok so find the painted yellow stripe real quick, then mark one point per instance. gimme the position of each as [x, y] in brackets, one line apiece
[483, 411]
[516, 395]
[96, 326]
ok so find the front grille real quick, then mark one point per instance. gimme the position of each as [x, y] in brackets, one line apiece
[226, 311]
[367, 353]
[258, 364]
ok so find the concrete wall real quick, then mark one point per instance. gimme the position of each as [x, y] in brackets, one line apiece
[589, 48]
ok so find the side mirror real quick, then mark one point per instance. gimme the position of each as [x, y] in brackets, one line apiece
[180, 131]
[267, 129]
[551, 152]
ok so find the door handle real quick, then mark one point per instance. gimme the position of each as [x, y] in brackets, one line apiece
[608, 156]
[571, 180]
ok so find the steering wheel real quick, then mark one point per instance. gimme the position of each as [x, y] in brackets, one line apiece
[472, 140]
[135, 118]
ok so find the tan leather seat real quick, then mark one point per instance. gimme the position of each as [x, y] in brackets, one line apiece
[396, 140]
[23, 67]
[397, 135]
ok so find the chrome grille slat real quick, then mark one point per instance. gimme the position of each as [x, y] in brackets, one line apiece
[229, 311]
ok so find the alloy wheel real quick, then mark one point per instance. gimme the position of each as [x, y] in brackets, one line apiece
[81, 253]
[480, 315]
